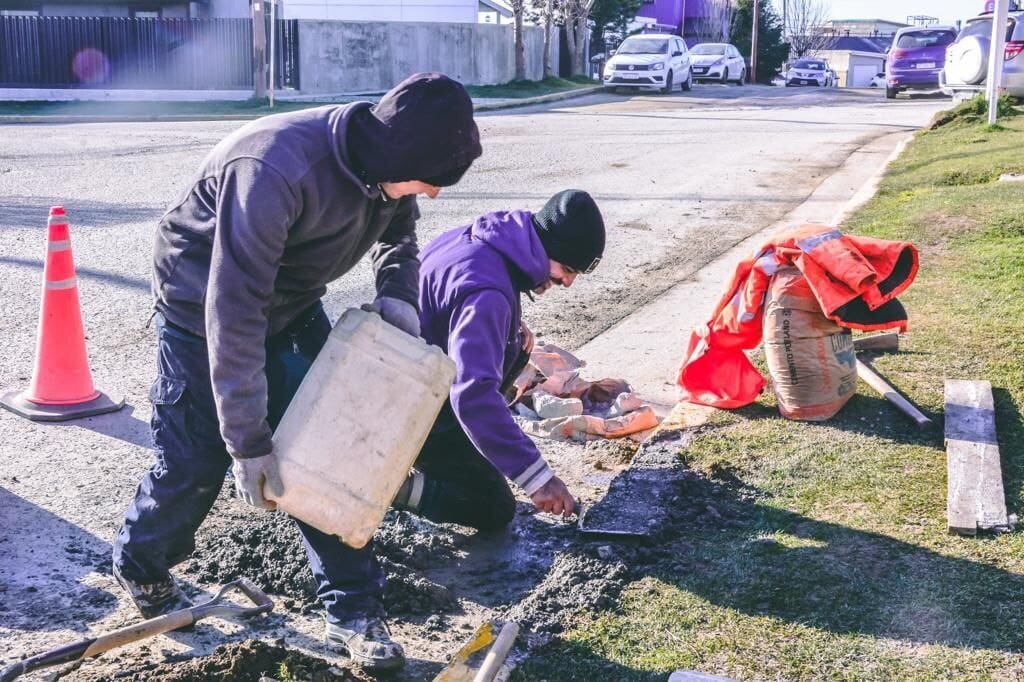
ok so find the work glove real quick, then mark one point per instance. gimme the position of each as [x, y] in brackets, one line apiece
[250, 476]
[397, 313]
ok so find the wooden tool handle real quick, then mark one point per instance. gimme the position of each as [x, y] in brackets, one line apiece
[889, 393]
[133, 633]
[498, 653]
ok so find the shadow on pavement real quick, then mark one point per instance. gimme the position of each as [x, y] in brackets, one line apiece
[30, 212]
[112, 278]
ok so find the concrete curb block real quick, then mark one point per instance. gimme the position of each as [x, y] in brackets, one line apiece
[179, 118]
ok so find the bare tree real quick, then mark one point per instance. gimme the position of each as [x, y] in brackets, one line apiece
[518, 8]
[575, 15]
[806, 22]
[548, 16]
[713, 26]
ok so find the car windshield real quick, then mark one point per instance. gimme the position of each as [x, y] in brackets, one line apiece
[644, 46]
[983, 27]
[809, 65]
[708, 49]
[918, 39]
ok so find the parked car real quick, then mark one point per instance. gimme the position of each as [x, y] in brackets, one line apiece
[917, 57]
[718, 61]
[809, 72]
[650, 61]
[966, 68]
[878, 81]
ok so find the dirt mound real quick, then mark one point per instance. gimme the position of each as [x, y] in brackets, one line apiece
[266, 547]
[247, 661]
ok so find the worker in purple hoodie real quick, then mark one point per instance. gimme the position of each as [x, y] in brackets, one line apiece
[471, 279]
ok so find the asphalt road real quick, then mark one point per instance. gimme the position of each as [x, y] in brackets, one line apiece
[680, 179]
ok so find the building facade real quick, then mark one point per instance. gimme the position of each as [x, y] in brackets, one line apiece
[694, 20]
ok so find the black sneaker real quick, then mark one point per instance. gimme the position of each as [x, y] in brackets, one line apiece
[154, 599]
[367, 642]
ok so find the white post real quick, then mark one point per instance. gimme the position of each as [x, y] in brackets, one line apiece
[995, 61]
[273, 50]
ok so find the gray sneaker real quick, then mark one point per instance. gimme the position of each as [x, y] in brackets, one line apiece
[367, 641]
[154, 599]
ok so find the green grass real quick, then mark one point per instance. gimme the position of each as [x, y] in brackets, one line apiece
[255, 108]
[520, 89]
[833, 560]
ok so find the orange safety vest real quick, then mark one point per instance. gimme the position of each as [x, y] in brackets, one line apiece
[854, 279]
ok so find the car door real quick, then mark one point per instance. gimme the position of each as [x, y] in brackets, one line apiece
[683, 64]
[735, 63]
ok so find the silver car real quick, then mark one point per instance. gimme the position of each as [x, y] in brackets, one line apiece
[718, 61]
[966, 67]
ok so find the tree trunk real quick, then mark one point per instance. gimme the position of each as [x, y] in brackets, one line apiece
[570, 40]
[548, 13]
[520, 47]
[581, 45]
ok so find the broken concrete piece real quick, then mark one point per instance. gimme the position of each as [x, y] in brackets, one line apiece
[1011, 177]
[695, 676]
[625, 403]
[585, 427]
[975, 498]
[549, 406]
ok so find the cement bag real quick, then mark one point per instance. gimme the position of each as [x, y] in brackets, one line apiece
[810, 357]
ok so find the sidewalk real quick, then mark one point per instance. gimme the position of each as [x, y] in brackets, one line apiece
[653, 339]
[287, 104]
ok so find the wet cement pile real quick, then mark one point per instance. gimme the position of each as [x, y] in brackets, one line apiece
[266, 547]
[248, 661]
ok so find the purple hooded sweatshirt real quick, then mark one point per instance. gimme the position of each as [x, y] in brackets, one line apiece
[470, 281]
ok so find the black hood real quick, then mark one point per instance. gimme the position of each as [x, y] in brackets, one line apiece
[422, 129]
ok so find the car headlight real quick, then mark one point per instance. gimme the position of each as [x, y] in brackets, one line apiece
[718, 62]
[660, 66]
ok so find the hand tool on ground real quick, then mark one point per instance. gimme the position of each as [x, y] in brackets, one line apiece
[498, 653]
[90, 648]
[872, 379]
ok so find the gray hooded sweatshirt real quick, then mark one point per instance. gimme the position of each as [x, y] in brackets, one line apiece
[275, 213]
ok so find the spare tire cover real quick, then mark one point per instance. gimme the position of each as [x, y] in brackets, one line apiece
[970, 60]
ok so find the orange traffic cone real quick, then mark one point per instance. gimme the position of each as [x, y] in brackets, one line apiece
[61, 385]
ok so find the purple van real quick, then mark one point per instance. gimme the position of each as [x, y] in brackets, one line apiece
[916, 58]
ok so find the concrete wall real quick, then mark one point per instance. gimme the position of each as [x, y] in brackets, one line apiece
[444, 11]
[349, 57]
[226, 9]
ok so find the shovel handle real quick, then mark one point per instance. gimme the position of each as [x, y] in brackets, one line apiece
[90, 648]
[872, 379]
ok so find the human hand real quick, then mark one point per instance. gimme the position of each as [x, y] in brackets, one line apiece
[250, 476]
[397, 313]
[554, 497]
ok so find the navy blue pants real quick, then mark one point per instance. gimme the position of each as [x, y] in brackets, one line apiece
[178, 491]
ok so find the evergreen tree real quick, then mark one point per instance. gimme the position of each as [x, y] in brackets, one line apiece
[772, 51]
[610, 15]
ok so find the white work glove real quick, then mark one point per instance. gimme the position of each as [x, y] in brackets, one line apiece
[250, 476]
[397, 313]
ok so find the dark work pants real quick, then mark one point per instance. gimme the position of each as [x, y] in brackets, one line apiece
[177, 493]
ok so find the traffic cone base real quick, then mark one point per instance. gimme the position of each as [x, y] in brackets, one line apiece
[18, 403]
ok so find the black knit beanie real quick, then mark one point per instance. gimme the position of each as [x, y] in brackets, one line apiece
[571, 229]
[421, 129]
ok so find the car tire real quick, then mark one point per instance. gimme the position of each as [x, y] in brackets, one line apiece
[743, 77]
[725, 77]
[890, 93]
[668, 84]
[687, 84]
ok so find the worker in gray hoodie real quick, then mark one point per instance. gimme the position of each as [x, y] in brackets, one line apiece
[280, 208]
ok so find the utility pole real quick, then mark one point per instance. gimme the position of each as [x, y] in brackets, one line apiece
[996, 56]
[273, 51]
[259, 50]
[753, 42]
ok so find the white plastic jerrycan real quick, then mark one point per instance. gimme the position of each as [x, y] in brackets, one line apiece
[355, 426]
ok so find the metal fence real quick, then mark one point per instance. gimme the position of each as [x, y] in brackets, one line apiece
[137, 53]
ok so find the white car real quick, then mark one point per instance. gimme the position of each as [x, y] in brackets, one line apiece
[718, 61]
[650, 61]
[878, 81]
[809, 72]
